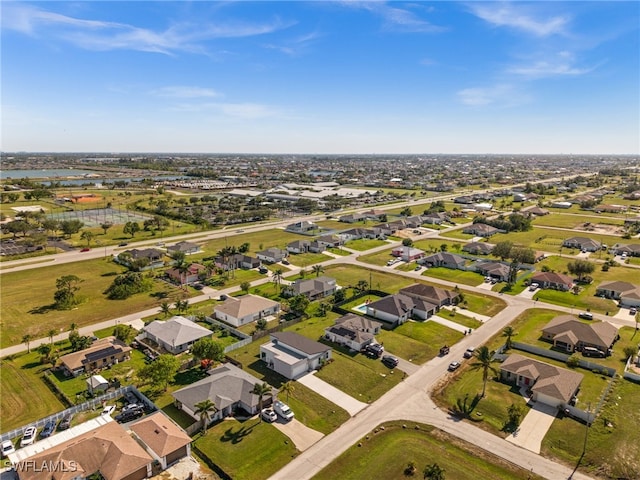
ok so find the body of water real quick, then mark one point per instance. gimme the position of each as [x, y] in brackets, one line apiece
[53, 173]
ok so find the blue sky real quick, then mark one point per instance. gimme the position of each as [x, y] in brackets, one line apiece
[321, 77]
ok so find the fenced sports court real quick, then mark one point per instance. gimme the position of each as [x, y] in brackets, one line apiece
[97, 216]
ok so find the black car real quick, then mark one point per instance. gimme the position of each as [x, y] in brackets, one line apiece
[65, 422]
[48, 429]
[129, 415]
[390, 361]
[374, 350]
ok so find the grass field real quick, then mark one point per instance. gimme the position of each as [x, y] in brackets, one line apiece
[386, 453]
[364, 244]
[305, 260]
[28, 310]
[569, 220]
[248, 450]
[458, 276]
[351, 275]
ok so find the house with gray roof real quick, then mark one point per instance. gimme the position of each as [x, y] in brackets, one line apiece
[298, 246]
[292, 355]
[272, 255]
[146, 258]
[478, 248]
[582, 243]
[353, 331]
[185, 247]
[627, 294]
[245, 309]
[496, 270]
[175, 335]
[228, 387]
[632, 250]
[429, 293]
[313, 288]
[481, 230]
[444, 259]
[551, 385]
[393, 309]
[570, 334]
[303, 226]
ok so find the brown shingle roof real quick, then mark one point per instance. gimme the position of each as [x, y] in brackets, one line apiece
[160, 434]
[601, 334]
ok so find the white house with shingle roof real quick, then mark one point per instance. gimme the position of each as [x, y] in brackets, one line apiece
[394, 309]
[175, 335]
[239, 311]
[551, 385]
[292, 355]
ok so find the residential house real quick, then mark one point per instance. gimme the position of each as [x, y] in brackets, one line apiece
[444, 259]
[478, 248]
[175, 335]
[550, 385]
[357, 234]
[298, 246]
[632, 250]
[245, 262]
[610, 208]
[626, 293]
[537, 211]
[302, 227]
[316, 246]
[292, 355]
[313, 288]
[495, 270]
[352, 218]
[185, 247]
[229, 389]
[245, 309]
[101, 354]
[436, 218]
[162, 438]
[394, 309]
[553, 280]
[329, 241]
[481, 230]
[353, 331]
[149, 257]
[561, 205]
[582, 243]
[272, 255]
[408, 254]
[386, 229]
[107, 452]
[570, 334]
[434, 295]
[191, 274]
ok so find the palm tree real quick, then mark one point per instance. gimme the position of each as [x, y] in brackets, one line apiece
[362, 285]
[203, 409]
[277, 277]
[509, 333]
[51, 333]
[317, 269]
[433, 472]
[484, 359]
[165, 308]
[27, 341]
[288, 388]
[261, 389]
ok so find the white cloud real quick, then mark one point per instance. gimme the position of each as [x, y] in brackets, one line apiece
[502, 95]
[396, 18]
[510, 15]
[296, 46]
[560, 64]
[185, 92]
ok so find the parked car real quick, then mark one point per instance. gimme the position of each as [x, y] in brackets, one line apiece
[198, 286]
[29, 436]
[268, 415]
[390, 361]
[586, 315]
[7, 448]
[283, 410]
[285, 262]
[453, 366]
[469, 352]
[129, 415]
[65, 422]
[132, 407]
[633, 311]
[593, 352]
[374, 350]
[48, 429]
[123, 244]
[85, 249]
[108, 410]
[418, 267]
[533, 287]
[444, 350]
[263, 270]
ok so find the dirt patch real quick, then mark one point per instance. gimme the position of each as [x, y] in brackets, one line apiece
[601, 228]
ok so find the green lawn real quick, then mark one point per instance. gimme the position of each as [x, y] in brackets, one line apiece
[456, 234]
[458, 276]
[28, 310]
[432, 334]
[305, 260]
[350, 275]
[379, 258]
[386, 453]
[465, 318]
[364, 244]
[613, 441]
[338, 251]
[249, 450]
[571, 221]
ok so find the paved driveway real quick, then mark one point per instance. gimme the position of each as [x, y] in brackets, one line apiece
[534, 427]
[301, 435]
[331, 393]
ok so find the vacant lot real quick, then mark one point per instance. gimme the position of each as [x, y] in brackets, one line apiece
[27, 297]
[387, 452]
[364, 244]
[458, 276]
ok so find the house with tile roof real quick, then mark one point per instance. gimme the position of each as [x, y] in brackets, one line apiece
[551, 385]
[191, 274]
[570, 334]
[353, 331]
[292, 355]
[245, 309]
[175, 335]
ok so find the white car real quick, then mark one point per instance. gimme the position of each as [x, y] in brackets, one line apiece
[269, 415]
[108, 410]
[7, 448]
[29, 436]
[283, 410]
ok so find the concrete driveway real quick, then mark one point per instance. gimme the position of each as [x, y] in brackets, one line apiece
[301, 435]
[331, 393]
[534, 427]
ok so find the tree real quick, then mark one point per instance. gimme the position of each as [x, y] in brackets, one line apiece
[317, 269]
[204, 409]
[299, 304]
[580, 268]
[128, 284]
[407, 242]
[244, 248]
[484, 359]
[444, 247]
[182, 305]
[207, 349]
[362, 286]
[514, 414]
[51, 333]
[245, 286]
[261, 389]
[160, 372]
[339, 296]
[509, 333]
[17, 226]
[51, 225]
[433, 472]
[125, 333]
[502, 250]
[277, 277]
[79, 342]
[69, 227]
[131, 228]
[406, 212]
[88, 236]
[26, 339]
[106, 226]
[261, 324]
[288, 388]
[46, 352]
[66, 288]
[165, 308]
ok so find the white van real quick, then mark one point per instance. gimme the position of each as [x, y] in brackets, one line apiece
[283, 410]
